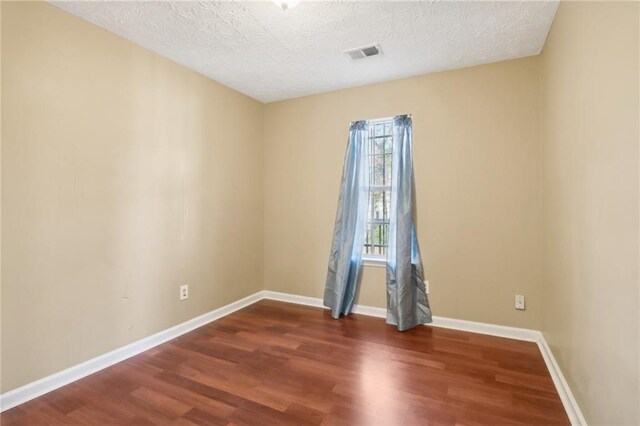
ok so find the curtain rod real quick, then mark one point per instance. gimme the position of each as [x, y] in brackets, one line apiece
[377, 120]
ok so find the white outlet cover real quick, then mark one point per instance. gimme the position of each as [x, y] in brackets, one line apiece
[520, 303]
[184, 292]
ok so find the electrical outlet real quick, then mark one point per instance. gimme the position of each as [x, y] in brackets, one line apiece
[184, 292]
[426, 285]
[520, 302]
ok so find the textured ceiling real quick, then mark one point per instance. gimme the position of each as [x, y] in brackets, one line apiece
[271, 54]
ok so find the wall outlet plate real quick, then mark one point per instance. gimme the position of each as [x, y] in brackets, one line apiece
[184, 292]
[520, 302]
[426, 285]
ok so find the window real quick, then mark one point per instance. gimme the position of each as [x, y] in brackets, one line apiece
[380, 158]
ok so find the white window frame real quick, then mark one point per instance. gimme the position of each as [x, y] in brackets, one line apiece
[372, 259]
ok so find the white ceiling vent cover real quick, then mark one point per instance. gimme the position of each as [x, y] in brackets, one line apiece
[363, 52]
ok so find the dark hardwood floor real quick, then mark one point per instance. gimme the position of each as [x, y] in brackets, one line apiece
[275, 363]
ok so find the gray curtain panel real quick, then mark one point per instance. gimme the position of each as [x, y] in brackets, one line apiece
[345, 262]
[407, 303]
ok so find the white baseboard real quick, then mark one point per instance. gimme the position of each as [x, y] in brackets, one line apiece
[47, 384]
[292, 298]
[568, 401]
[456, 324]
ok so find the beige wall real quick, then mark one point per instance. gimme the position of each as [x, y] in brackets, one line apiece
[124, 175]
[0, 196]
[589, 112]
[477, 164]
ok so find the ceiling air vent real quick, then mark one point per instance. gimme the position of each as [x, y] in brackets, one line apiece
[363, 52]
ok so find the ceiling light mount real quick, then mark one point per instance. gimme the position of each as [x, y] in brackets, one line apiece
[286, 4]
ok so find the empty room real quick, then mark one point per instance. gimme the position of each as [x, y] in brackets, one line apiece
[299, 212]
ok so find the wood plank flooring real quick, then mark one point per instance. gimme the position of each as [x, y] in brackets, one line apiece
[274, 363]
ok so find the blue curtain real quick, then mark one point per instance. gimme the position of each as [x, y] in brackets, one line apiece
[407, 303]
[345, 262]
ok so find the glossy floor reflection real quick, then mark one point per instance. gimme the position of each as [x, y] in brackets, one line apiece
[275, 363]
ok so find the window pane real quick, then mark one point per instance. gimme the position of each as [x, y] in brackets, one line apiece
[387, 145]
[379, 165]
[381, 204]
[380, 238]
[367, 241]
[387, 169]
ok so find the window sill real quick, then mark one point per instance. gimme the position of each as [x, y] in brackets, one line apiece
[380, 262]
